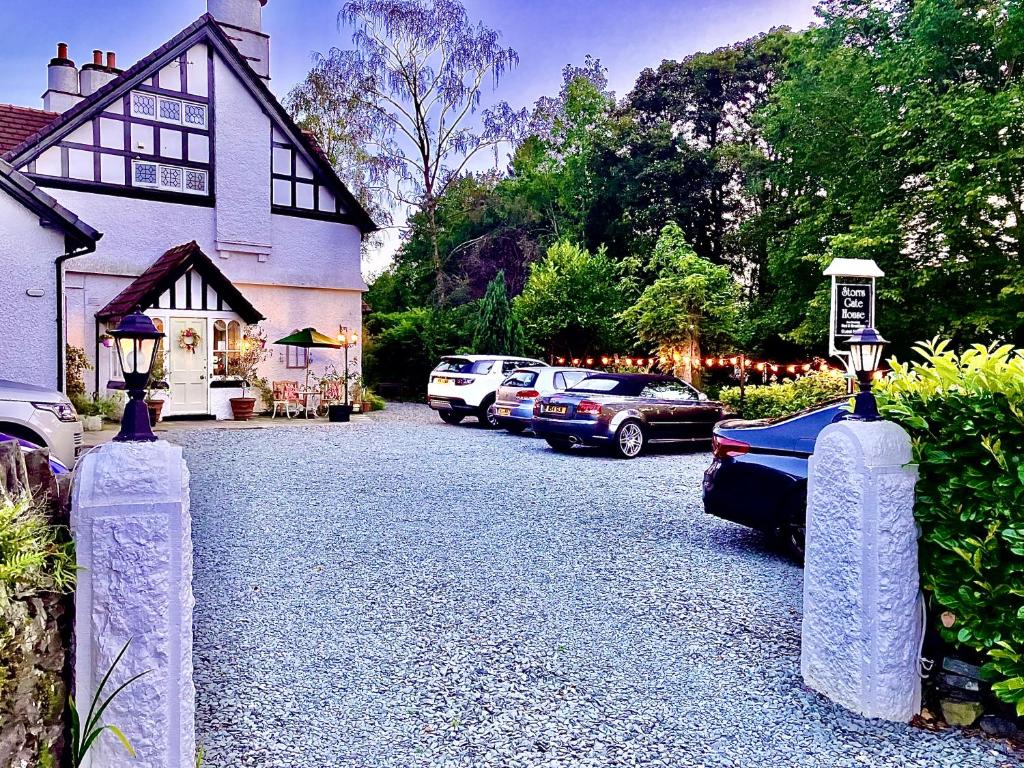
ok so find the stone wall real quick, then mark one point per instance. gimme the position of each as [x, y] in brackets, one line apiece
[33, 691]
[35, 630]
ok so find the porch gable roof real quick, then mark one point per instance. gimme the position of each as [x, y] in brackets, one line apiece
[144, 292]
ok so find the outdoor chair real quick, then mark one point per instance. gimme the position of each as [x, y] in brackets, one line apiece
[286, 395]
[331, 393]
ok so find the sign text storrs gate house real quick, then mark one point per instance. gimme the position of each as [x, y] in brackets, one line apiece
[854, 303]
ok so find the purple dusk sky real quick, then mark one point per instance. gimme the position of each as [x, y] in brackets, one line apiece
[627, 35]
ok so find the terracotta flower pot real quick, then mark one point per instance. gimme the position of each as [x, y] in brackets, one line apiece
[367, 406]
[242, 407]
[155, 407]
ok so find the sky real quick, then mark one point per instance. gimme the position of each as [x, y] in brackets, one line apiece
[627, 35]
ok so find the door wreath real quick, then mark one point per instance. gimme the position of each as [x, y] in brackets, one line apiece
[189, 339]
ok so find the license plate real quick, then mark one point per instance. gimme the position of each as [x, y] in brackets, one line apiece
[442, 380]
[559, 410]
[503, 411]
[442, 404]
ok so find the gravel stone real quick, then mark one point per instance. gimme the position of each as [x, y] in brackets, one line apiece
[397, 592]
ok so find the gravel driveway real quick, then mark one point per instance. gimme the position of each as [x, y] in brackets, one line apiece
[403, 593]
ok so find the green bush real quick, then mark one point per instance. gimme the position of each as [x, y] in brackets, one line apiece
[966, 416]
[107, 407]
[85, 405]
[776, 400]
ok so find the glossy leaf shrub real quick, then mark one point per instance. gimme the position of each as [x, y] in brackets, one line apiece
[966, 416]
[774, 401]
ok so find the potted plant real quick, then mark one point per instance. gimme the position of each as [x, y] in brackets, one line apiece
[332, 385]
[251, 355]
[157, 385]
[355, 394]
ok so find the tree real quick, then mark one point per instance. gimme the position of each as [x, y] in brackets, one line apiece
[897, 135]
[570, 302]
[411, 91]
[497, 330]
[691, 302]
[683, 141]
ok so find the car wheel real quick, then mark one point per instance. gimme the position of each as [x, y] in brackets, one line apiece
[486, 416]
[515, 428]
[559, 444]
[792, 532]
[629, 440]
[450, 417]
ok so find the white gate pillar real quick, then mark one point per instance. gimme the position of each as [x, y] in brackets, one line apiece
[862, 625]
[132, 528]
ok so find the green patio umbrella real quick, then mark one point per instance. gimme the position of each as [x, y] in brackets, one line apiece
[309, 338]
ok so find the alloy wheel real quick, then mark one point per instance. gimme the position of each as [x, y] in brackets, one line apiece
[631, 440]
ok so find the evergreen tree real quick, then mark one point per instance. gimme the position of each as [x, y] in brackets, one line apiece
[497, 330]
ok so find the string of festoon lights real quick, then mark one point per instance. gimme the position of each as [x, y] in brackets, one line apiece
[765, 367]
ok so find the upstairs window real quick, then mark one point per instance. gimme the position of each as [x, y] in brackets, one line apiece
[168, 110]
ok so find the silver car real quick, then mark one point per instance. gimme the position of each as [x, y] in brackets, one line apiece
[513, 406]
[41, 416]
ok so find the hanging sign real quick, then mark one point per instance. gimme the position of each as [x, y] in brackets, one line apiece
[855, 303]
[853, 300]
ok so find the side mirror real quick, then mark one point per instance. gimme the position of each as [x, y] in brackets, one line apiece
[702, 396]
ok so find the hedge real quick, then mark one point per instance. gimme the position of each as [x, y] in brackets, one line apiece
[776, 400]
[965, 414]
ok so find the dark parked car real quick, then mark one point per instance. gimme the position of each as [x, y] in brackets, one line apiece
[56, 464]
[625, 412]
[758, 477]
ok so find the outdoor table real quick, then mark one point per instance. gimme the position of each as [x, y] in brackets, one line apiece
[309, 397]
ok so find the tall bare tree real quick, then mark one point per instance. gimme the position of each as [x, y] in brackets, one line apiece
[410, 94]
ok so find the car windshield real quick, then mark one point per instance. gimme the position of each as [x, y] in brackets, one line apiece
[670, 389]
[520, 379]
[462, 365]
[836, 401]
[609, 386]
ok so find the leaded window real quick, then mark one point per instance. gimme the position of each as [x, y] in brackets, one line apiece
[144, 174]
[195, 181]
[143, 105]
[170, 176]
[195, 115]
[170, 110]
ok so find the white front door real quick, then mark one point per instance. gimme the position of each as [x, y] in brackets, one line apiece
[188, 368]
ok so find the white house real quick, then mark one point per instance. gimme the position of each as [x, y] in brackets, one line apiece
[216, 210]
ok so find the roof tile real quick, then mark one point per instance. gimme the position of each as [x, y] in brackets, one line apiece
[18, 123]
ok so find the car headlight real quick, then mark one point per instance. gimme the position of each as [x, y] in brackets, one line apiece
[63, 411]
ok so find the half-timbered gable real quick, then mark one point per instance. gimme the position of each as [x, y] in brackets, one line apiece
[189, 145]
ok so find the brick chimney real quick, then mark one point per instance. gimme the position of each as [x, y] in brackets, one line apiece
[62, 91]
[242, 22]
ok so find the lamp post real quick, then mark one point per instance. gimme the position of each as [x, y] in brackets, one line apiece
[137, 341]
[866, 347]
[347, 340]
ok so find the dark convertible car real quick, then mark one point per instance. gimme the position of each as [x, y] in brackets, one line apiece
[758, 477]
[626, 412]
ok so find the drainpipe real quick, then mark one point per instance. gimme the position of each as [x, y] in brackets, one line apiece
[61, 343]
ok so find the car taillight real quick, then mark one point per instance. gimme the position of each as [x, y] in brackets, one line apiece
[726, 447]
[526, 394]
[588, 408]
[463, 382]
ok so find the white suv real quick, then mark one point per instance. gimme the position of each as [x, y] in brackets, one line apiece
[465, 385]
[41, 416]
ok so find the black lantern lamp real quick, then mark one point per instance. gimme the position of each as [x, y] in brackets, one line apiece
[866, 348]
[137, 341]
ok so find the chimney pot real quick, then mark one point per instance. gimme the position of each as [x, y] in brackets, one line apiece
[62, 50]
[97, 57]
[111, 60]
